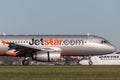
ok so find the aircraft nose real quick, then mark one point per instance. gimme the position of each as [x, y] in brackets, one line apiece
[112, 48]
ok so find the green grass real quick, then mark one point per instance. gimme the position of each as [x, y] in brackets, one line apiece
[59, 72]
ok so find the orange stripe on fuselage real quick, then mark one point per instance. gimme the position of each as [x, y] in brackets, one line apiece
[1, 54]
[11, 54]
[67, 54]
[14, 54]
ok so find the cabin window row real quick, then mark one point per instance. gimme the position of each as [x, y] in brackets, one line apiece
[18, 41]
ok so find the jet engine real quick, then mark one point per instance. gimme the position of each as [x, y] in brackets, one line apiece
[46, 56]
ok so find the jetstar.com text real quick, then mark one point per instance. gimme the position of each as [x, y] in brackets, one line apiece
[56, 42]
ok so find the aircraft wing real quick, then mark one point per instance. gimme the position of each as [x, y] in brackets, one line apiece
[21, 49]
[27, 49]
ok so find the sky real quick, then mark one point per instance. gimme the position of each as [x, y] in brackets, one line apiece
[96, 17]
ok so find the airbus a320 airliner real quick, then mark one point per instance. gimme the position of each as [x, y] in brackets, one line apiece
[52, 47]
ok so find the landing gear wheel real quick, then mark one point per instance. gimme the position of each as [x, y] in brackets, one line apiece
[25, 62]
[90, 63]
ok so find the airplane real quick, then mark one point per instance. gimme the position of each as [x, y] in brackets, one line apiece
[51, 47]
[109, 59]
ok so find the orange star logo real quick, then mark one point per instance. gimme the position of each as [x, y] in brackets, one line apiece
[4, 42]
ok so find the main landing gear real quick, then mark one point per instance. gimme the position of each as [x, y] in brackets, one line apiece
[90, 61]
[25, 61]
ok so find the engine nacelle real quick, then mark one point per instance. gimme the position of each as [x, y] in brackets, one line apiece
[46, 56]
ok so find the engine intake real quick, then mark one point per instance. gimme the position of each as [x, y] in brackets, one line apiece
[46, 56]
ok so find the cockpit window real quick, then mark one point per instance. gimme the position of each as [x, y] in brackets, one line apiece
[104, 41]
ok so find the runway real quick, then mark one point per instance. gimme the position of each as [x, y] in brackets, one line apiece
[59, 72]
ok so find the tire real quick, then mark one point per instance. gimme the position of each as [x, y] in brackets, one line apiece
[90, 63]
[25, 62]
